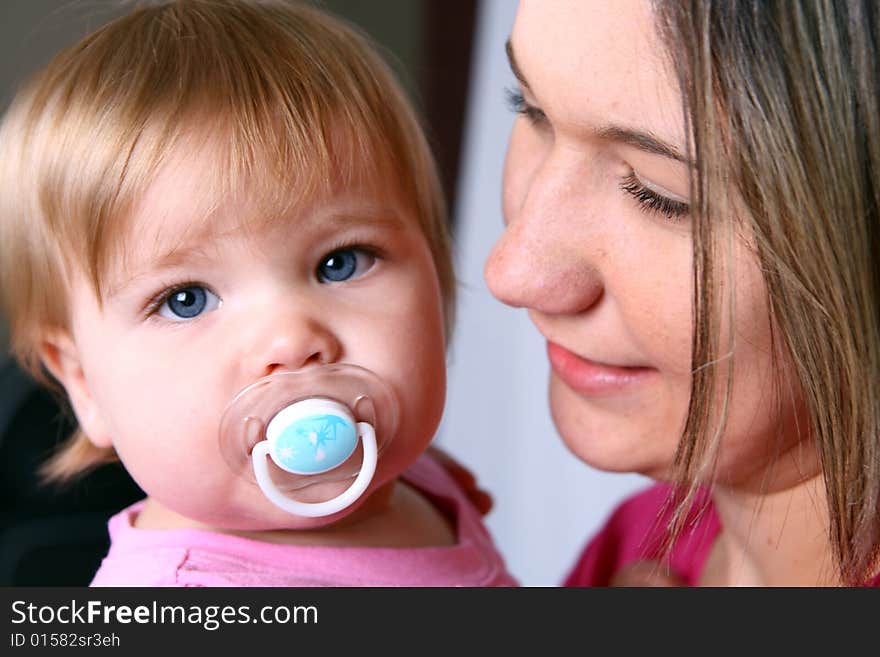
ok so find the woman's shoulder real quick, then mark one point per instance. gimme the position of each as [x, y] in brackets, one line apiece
[636, 530]
[648, 501]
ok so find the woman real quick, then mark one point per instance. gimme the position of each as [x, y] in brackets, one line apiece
[692, 222]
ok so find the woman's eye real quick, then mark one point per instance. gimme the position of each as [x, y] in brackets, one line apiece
[652, 201]
[344, 264]
[517, 103]
[188, 302]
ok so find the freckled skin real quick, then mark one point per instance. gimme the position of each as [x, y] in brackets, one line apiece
[600, 275]
[607, 276]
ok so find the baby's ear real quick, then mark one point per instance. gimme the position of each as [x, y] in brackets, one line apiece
[59, 354]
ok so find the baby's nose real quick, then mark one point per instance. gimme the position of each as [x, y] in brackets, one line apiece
[292, 342]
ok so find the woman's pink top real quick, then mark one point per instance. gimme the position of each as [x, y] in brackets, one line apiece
[635, 531]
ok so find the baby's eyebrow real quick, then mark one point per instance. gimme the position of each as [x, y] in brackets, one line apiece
[179, 255]
[188, 253]
[382, 217]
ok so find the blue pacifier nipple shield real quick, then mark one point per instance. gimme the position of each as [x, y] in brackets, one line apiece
[294, 429]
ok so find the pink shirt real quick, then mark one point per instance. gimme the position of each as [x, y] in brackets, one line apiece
[191, 557]
[635, 531]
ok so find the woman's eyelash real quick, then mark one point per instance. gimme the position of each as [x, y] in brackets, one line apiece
[648, 199]
[651, 201]
[517, 103]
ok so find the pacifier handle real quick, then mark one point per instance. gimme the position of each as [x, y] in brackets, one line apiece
[261, 453]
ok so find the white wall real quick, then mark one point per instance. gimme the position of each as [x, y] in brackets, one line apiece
[497, 422]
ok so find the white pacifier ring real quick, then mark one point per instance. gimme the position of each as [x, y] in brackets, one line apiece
[308, 437]
[294, 430]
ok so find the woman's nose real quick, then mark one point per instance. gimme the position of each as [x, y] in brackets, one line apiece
[291, 341]
[543, 260]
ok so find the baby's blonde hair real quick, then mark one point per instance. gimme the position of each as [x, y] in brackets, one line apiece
[277, 88]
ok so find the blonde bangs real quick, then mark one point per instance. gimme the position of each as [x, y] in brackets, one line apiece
[291, 102]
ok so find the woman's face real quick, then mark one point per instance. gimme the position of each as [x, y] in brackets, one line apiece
[597, 244]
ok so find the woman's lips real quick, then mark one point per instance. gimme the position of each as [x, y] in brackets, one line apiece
[591, 378]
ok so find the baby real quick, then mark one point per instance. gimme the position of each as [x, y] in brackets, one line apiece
[209, 211]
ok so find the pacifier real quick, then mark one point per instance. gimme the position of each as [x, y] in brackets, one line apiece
[291, 430]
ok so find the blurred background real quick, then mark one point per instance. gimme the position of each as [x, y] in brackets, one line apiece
[450, 57]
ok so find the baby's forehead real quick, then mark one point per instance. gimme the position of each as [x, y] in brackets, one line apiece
[197, 187]
[190, 208]
[181, 215]
[199, 174]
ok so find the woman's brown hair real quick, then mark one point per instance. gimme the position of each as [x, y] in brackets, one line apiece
[782, 107]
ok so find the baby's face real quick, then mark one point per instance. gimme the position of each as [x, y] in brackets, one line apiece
[191, 317]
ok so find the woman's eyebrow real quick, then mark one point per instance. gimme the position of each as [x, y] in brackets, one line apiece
[643, 140]
[514, 68]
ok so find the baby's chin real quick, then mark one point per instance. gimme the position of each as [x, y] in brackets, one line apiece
[251, 511]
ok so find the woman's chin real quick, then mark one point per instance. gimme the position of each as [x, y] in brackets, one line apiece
[607, 440]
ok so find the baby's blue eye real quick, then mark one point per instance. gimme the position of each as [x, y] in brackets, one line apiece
[344, 264]
[188, 302]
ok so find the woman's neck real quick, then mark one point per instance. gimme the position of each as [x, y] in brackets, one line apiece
[772, 539]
